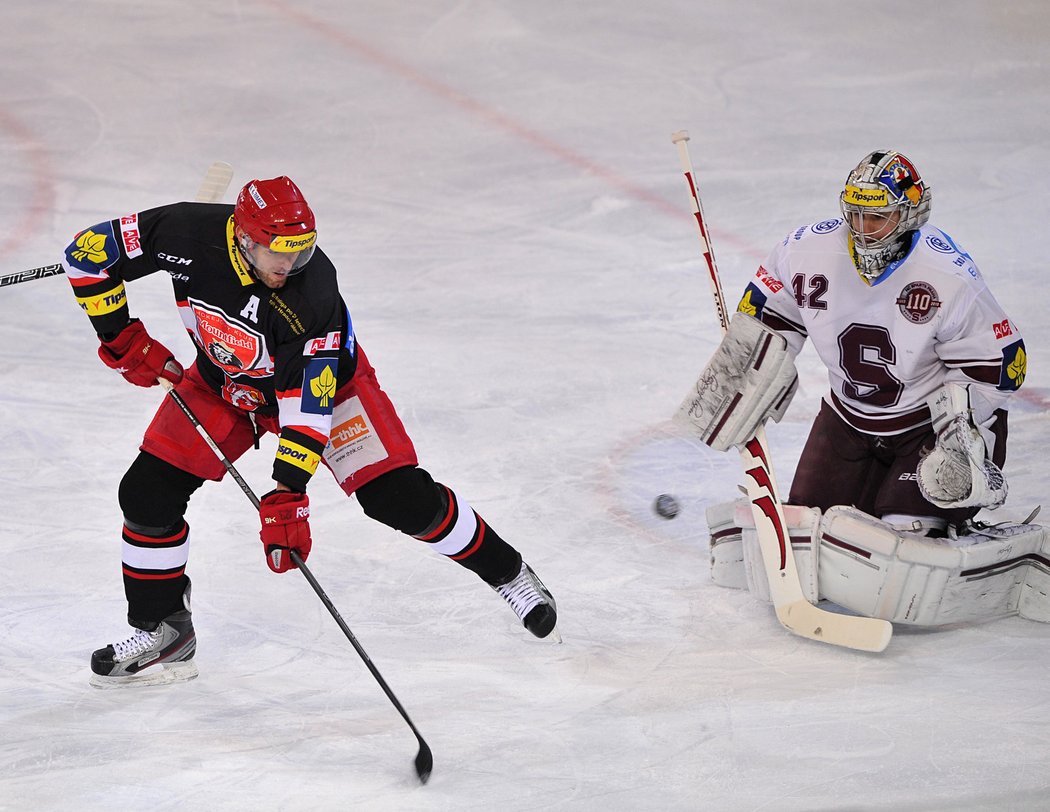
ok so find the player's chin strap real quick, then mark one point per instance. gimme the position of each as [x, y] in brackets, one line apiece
[957, 472]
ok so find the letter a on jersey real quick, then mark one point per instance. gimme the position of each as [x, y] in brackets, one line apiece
[251, 310]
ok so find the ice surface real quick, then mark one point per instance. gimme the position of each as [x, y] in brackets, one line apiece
[497, 183]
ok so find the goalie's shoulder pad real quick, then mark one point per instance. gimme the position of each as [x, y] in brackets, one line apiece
[750, 378]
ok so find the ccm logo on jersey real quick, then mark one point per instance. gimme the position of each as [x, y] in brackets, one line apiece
[1002, 329]
[328, 342]
[174, 260]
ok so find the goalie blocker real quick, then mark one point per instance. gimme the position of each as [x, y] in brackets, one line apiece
[750, 378]
[869, 567]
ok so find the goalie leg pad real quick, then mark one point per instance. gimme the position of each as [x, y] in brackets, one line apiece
[872, 568]
[750, 378]
[877, 570]
[736, 558]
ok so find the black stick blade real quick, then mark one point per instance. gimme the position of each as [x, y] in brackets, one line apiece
[424, 762]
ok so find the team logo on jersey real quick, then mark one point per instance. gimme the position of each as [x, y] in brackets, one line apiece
[93, 250]
[232, 347]
[918, 302]
[753, 301]
[243, 397]
[1002, 329]
[224, 354]
[826, 226]
[319, 385]
[937, 244]
[1015, 367]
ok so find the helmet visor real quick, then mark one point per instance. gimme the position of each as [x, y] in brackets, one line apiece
[284, 255]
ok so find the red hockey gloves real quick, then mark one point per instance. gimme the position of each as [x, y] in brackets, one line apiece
[285, 526]
[140, 358]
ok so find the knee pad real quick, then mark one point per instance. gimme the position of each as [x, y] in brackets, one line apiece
[406, 499]
[154, 494]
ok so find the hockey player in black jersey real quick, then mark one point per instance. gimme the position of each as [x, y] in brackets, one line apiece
[276, 352]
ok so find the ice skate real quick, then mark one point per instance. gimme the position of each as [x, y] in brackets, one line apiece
[149, 657]
[531, 601]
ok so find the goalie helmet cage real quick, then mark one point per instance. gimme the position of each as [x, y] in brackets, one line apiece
[792, 608]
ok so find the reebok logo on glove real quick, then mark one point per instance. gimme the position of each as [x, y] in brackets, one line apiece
[285, 527]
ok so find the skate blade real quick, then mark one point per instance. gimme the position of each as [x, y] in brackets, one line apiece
[167, 673]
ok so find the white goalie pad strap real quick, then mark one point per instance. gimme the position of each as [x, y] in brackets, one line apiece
[750, 378]
[957, 473]
[736, 558]
[869, 567]
[726, 545]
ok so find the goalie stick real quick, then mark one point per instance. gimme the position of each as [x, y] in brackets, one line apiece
[424, 762]
[793, 610]
[213, 186]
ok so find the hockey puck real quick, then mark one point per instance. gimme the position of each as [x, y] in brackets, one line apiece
[666, 506]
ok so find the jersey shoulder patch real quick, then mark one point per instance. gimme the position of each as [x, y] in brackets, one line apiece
[93, 251]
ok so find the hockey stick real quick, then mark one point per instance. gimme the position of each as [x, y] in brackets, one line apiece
[214, 185]
[30, 275]
[424, 758]
[793, 610]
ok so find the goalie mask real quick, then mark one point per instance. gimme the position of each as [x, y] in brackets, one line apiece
[275, 226]
[883, 202]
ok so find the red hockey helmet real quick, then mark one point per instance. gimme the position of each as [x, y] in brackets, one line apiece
[273, 214]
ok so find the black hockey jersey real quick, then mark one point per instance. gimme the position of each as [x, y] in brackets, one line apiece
[275, 352]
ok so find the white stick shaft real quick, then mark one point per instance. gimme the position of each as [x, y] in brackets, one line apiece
[215, 183]
[681, 139]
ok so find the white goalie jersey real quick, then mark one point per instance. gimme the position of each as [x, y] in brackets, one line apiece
[929, 319]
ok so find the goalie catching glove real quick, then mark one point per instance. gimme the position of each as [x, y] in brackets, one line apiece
[750, 378]
[957, 473]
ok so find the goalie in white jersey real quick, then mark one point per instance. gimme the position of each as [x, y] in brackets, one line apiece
[921, 358]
